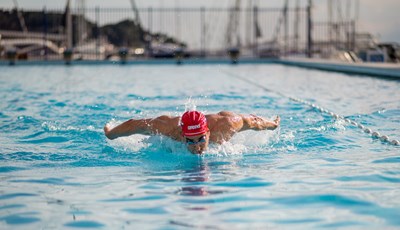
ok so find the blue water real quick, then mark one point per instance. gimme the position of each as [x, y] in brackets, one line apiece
[57, 170]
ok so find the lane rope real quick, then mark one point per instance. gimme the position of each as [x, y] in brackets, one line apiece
[372, 133]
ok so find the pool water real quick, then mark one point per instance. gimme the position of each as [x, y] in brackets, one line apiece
[58, 170]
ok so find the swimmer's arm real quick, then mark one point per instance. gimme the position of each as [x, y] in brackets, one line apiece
[158, 125]
[254, 122]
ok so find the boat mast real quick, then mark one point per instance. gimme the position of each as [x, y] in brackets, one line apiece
[20, 18]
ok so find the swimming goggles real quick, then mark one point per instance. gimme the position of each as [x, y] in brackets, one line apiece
[201, 139]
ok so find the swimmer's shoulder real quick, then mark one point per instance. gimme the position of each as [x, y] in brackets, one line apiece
[169, 121]
[168, 126]
[227, 114]
[220, 116]
[168, 118]
[224, 121]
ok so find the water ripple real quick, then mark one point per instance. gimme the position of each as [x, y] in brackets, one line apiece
[53, 181]
[244, 184]
[151, 211]
[219, 97]
[243, 209]
[15, 195]
[54, 139]
[222, 199]
[336, 200]
[342, 224]
[33, 135]
[127, 199]
[84, 224]
[298, 221]
[387, 160]
[369, 178]
[11, 206]
[6, 169]
[20, 219]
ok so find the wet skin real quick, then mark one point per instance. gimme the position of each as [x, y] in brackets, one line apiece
[198, 144]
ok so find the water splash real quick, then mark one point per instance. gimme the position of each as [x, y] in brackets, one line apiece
[190, 104]
[244, 142]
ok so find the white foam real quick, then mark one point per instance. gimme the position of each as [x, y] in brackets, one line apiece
[133, 143]
[339, 124]
[241, 143]
[54, 126]
[288, 136]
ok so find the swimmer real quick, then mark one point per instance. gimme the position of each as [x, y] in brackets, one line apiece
[193, 127]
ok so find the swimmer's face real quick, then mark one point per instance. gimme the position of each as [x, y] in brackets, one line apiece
[197, 144]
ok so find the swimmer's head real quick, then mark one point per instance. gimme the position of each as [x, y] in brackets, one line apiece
[195, 131]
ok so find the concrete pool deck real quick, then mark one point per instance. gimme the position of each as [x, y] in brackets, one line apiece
[388, 70]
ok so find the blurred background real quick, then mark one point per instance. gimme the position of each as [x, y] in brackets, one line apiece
[345, 30]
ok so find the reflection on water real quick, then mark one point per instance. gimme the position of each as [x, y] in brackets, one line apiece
[197, 181]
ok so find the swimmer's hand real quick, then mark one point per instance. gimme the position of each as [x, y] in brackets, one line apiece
[272, 125]
[255, 122]
[277, 121]
[107, 130]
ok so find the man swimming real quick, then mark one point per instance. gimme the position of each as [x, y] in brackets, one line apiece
[193, 127]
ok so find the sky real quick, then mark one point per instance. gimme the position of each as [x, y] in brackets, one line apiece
[379, 17]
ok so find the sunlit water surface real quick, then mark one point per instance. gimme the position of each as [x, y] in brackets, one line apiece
[57, 169]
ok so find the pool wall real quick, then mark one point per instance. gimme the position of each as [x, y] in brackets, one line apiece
[389, 70]
[385, 70]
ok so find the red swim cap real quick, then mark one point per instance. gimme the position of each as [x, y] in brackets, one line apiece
[193, 123]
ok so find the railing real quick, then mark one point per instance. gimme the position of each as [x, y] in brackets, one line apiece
[206, 32]
[101, 33]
